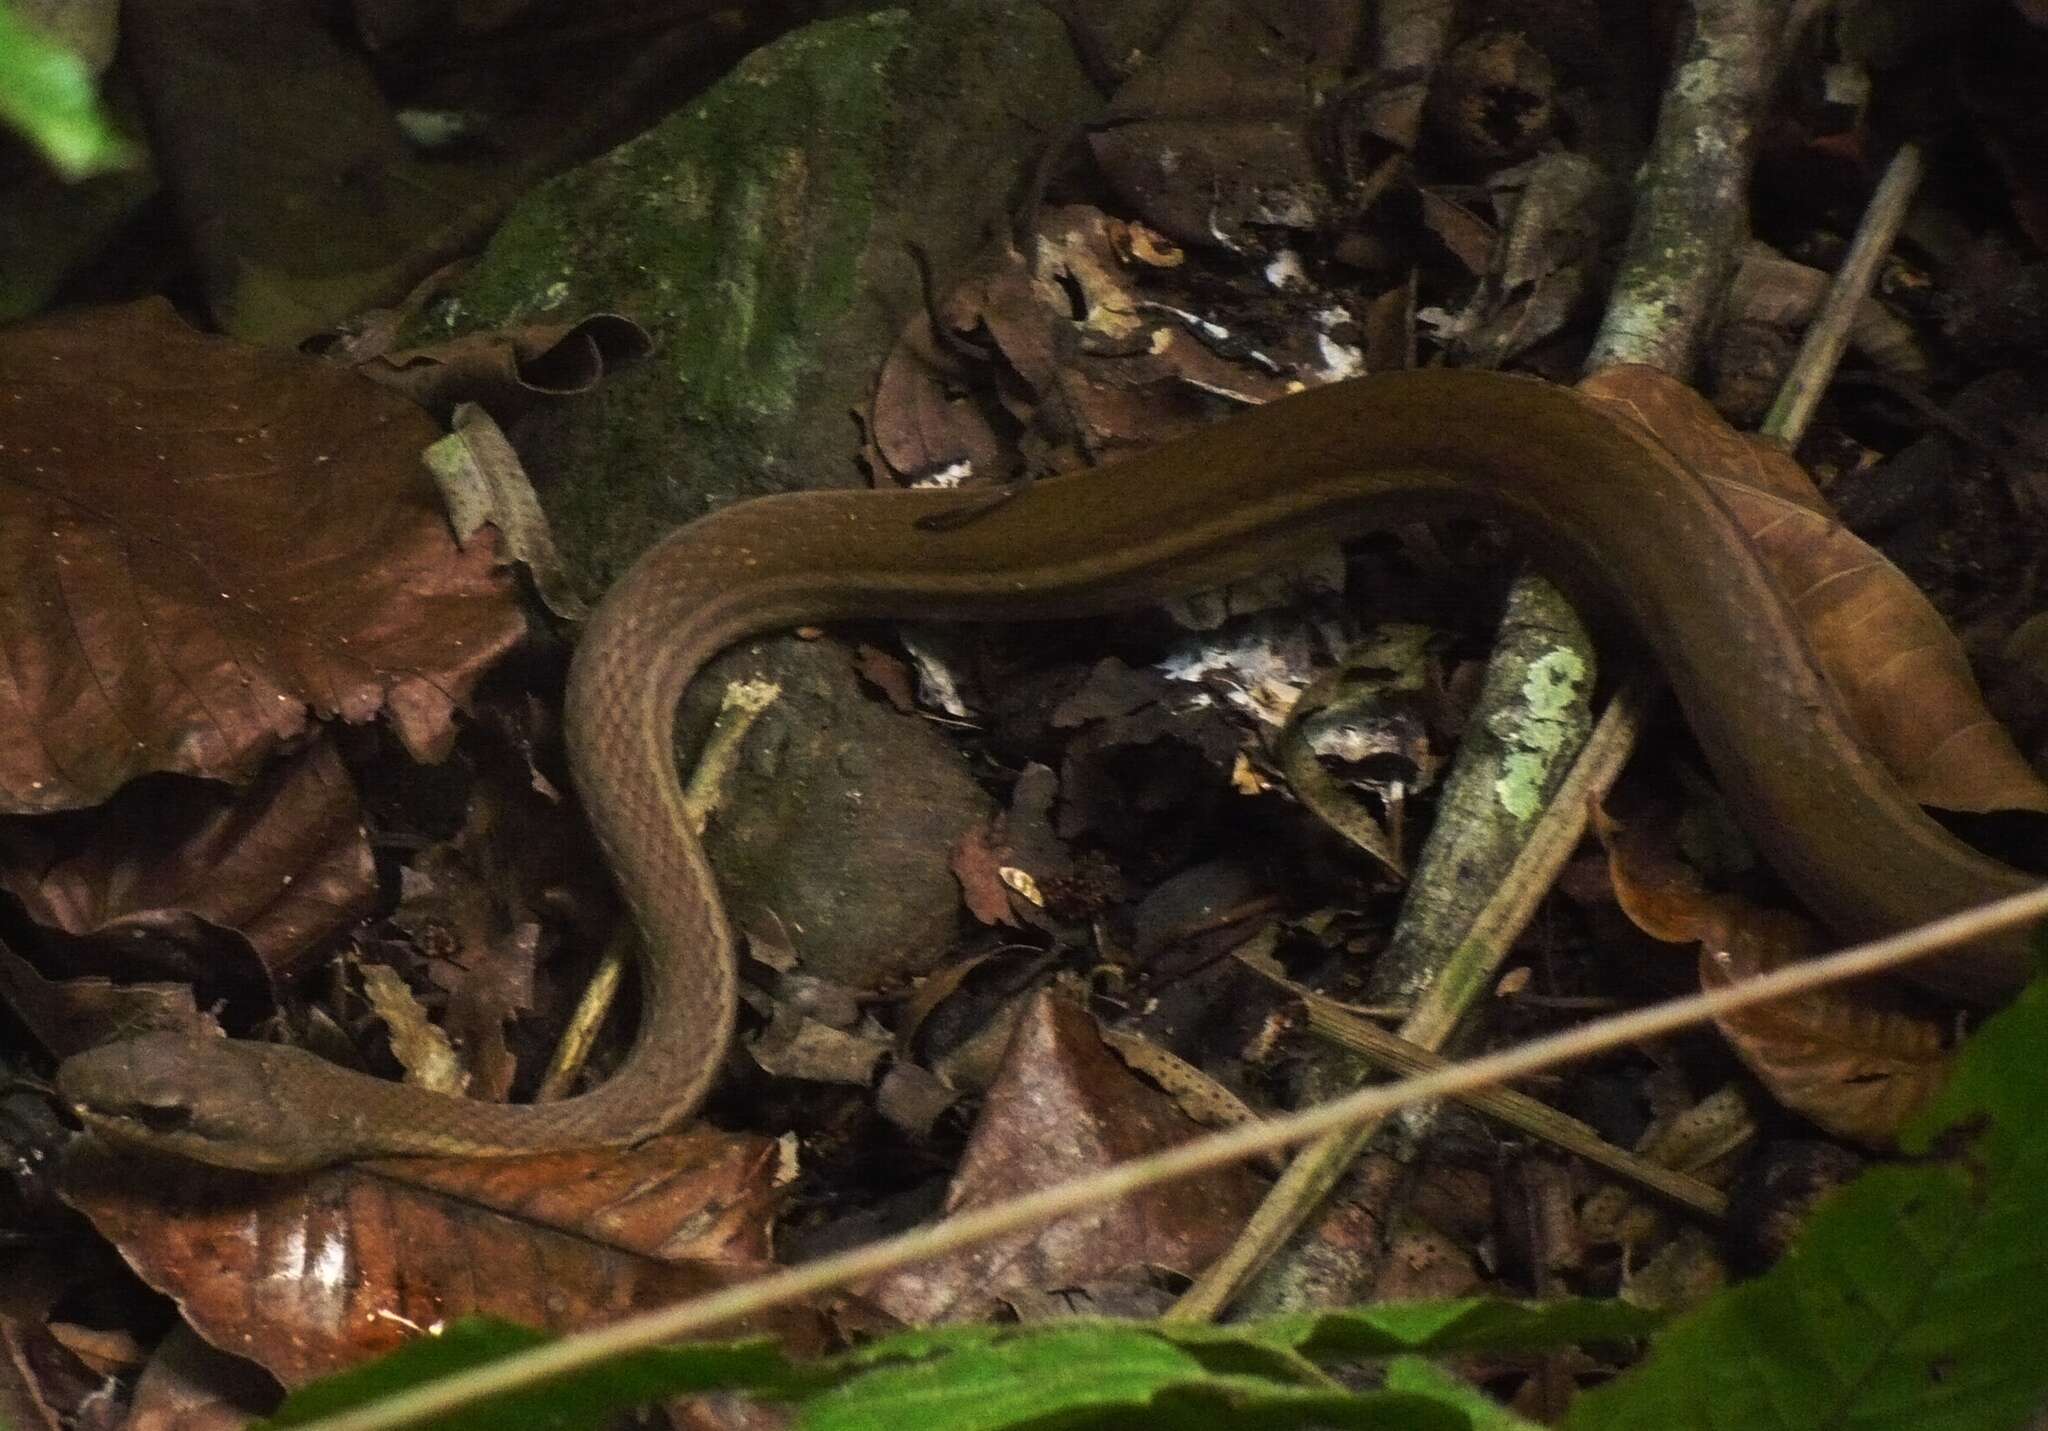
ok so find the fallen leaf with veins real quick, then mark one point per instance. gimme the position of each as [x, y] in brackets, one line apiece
[207, 545]
[1064, 1105]
[308, 1275]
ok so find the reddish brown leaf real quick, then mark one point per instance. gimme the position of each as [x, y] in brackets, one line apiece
[977, 863]
[1062, 1106]
[1661, 894]
[284, 864]
[697, 1196]
[1858, 1070]
[1902, 675]
[887, 674]
[204, 544]
[310, 1274]
[1855, 1068]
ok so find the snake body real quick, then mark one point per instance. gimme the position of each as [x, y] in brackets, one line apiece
[1605, 508]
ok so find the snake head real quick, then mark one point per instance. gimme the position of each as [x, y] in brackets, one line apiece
[205, 1099]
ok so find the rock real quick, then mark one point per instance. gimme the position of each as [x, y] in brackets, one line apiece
[758, 235]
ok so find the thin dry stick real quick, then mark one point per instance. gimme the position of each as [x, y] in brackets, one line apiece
[1339, 1023]
[1315, 1170]
[1518, 1110]
[1692, 209]
[1820, 351]
[692, 1318]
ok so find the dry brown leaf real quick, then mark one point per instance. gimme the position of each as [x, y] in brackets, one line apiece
[1421, 1262]
[1064, 1105]
[507, 369]
[1556, 211]
[799, 1045]
[42, 1386]
[1698, 435]
[204, 543]
[977, 861]
[1213, 144]
[922, 426]
[483, 483]
[284, 864]
[701, 1195]
[1855, 1068]
[309, 1275]
[888, 674]
[1469, 238]
[1902, 675]
[1899, 668]
[1089, 364]
[72, 1015]
[474, 909]
[1205, 1099]
[189, 1386]
[931, 991]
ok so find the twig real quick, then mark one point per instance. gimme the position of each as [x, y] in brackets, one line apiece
[1316, 1169]
[1820, 351]
[1689, 225]
[693, 1318]
[1518, 1110]
[1693, 210]
[743, 704]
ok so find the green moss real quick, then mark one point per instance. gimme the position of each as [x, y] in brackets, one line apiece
[733, 231]
[757, 234]
[1552, 717]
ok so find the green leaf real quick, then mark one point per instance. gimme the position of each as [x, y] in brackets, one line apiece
[47, 93]
[1909, 1301]
[1459, 1324]
[1412, 1373]
[590, 1398]
[1107, 1374]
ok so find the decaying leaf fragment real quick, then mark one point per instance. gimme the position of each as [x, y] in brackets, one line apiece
[176, 875]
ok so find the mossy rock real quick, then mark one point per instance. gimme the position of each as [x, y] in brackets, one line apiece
[758, 235]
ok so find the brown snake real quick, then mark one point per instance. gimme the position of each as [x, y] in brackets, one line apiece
[1605, 508]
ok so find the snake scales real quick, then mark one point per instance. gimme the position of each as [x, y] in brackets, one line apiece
[1606, 509]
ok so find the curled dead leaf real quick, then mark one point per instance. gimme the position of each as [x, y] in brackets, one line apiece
[1853, 1066]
